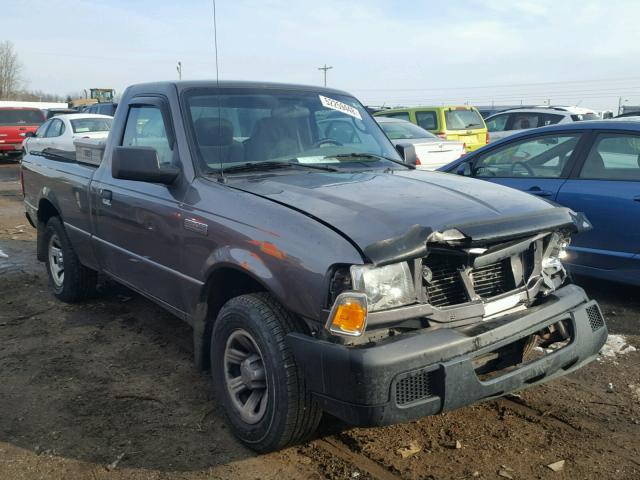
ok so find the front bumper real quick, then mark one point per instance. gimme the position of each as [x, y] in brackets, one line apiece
[427, 372]
[10, 147]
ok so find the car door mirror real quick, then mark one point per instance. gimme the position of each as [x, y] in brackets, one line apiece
[30, 134]
[141, 164]
[408, 153]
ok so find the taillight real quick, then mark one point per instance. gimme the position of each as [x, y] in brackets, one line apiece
[487, 138]
[442, 136]
[464, 148]
[418, 162]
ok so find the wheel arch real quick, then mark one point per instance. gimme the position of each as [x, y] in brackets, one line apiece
[46, 210]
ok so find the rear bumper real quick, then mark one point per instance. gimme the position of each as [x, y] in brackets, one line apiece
[10, 147]
[425, 373]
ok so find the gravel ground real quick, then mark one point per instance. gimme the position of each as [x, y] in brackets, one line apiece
[112, 378]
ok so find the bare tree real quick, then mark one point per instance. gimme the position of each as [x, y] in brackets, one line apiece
[10, 68]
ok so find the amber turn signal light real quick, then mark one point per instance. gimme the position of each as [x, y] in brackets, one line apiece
[348, 315]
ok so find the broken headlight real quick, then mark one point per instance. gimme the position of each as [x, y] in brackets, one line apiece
[553, 272]
[386, 287]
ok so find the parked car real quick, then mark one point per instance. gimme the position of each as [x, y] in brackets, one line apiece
[463, 124]
[53, 112]
[507, 123]
[15, 124]
[318, 275]
[431, 151]
[106, 108]
[59, 133]
[590, 167]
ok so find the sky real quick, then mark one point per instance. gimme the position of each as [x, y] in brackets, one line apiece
[389, 52]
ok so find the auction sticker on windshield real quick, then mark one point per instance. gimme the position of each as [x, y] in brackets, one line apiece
[340, 107]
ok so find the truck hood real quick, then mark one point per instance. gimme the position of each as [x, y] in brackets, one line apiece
[390, 216]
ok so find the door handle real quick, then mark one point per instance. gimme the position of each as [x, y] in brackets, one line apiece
[106, 196]
[539, 192]
[636, 198]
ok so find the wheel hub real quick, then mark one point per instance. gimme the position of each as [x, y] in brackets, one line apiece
[245, 376]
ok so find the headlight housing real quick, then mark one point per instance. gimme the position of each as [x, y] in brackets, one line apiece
[386, 287]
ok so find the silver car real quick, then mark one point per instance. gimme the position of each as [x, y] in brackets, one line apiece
[432, 152]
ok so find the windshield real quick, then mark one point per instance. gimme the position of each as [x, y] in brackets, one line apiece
[239, 126]
[463, 119]
[21, 117]
[86, 125]
[404, 131]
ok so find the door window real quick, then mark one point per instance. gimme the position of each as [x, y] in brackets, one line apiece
[522, 121]
[42, 129]
[145, 127]
[549, 119]
[427, 120]
[497, 123]
[613, 157]
[541, 157]
[55, 129]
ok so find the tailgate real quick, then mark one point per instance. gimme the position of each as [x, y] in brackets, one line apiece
[15, 133]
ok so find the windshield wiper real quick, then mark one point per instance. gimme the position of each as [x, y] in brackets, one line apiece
[473, 125]
[371, 155]
[272, 164]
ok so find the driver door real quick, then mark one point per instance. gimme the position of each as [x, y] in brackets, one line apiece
[538, 165]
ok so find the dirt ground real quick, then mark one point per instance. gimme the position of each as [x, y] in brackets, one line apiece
[84, 385]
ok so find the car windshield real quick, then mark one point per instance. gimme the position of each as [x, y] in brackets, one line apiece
[21, 117]
[404, 131]
[235, 127]
[86, 125]
[463, 119]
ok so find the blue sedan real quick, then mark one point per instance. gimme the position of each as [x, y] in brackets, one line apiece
[590, 167]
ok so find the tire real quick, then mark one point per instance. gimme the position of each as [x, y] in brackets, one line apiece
[69, 279]
[257, 322]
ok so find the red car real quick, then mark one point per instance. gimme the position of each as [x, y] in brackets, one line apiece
[15, 122]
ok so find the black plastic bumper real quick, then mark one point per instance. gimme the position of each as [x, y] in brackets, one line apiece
[369, 386]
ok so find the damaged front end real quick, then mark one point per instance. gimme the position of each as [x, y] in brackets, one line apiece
[456, 276]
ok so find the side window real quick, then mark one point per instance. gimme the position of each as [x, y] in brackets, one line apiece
[145, 128]
[400, 115]
[549, 119]
[56, 129]
[40, 132]
[613, 157]
[497, 123]
[541, 157]
[522, 121]
[427, 120]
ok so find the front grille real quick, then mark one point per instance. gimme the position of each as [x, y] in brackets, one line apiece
[493, 279]
[595, 317]
[444, 286]
[413, 387]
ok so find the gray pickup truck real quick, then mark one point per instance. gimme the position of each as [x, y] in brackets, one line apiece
[320, 271]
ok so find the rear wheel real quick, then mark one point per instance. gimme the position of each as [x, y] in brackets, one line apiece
[256, 377]
[70, 280]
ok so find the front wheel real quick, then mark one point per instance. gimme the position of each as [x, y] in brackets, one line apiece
[256, 377]
[70, 280]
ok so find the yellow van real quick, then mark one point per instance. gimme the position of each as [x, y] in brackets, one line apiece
[464, 124]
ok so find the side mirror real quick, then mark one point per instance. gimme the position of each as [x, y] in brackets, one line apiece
[141, 164]
[30, 134]
[464, 169]
[408, 153]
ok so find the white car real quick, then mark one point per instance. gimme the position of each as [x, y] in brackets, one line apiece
[507, 123]
[432, 152]
[59, 133]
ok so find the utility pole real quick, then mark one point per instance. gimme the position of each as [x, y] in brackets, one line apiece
[179, 69]
[325, 68]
